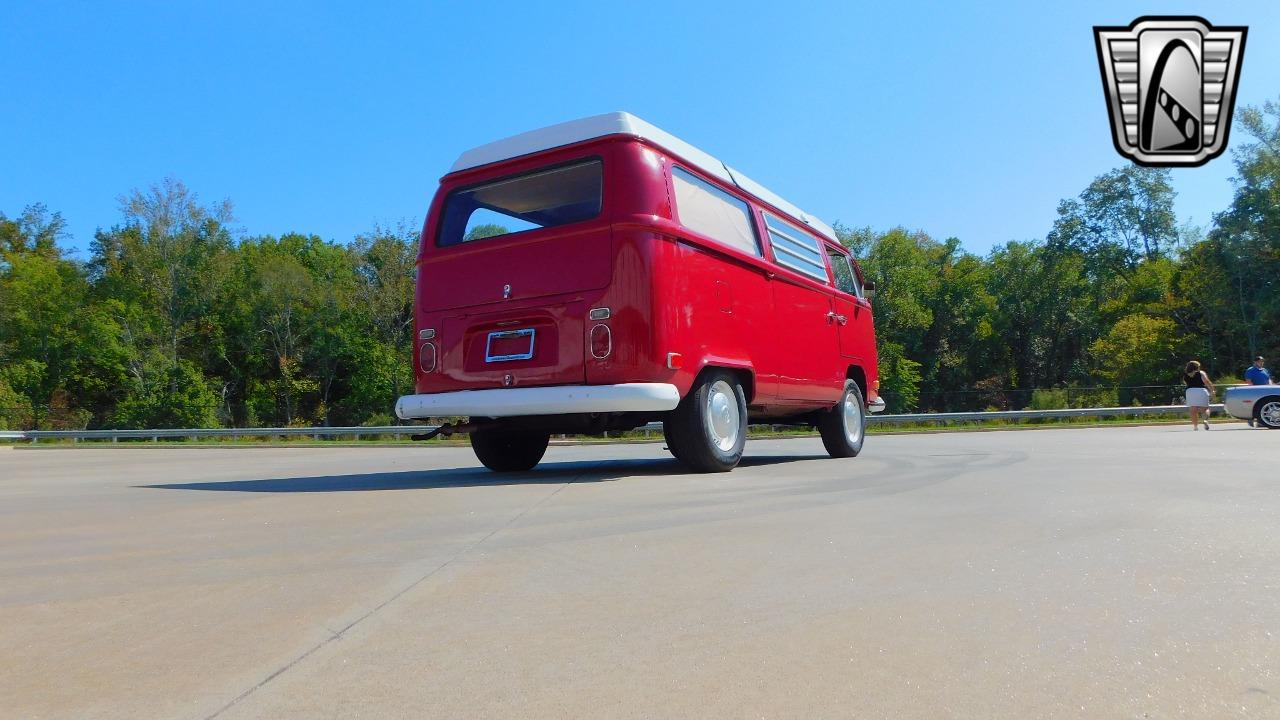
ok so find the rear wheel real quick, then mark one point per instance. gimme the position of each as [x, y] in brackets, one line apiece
[844, 427]
[708, 429]
[1267, 412]
[509, 450]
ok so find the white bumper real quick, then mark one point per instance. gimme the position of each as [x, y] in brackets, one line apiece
[876, 405]
[556, 400]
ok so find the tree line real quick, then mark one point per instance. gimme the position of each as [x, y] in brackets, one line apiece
[1116, 296]
[176, 321]
[172, 322]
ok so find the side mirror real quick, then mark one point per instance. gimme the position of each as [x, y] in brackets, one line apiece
[869, 289]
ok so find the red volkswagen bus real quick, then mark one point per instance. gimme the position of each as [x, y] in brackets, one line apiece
[602, 274]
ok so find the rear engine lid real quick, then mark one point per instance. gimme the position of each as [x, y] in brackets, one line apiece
[515, 347]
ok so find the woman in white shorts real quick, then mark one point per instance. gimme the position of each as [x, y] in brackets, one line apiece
[1199, 391]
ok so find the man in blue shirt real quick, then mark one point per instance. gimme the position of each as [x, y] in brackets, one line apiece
[1257, 375]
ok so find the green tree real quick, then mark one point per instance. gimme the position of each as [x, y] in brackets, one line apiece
[1139, 350]
[897, 262]
[1235, 274]
[335, 322]
[386, 271]
[281, 300]
[16, 412]
[35, 231]
[163, 269]
[56, 348]
[169, 257]
[480, 232]
[1123, 216]
[1042, 314]
[181, 398]
[932, 310]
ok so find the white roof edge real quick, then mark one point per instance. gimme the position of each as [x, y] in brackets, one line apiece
[622, 123]
[770, 197]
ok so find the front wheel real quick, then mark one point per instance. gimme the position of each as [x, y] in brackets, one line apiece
[509, 450]
[1267, 412]
[844, 427]
[708, 429]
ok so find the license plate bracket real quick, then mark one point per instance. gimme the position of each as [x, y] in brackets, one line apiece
[509, 345]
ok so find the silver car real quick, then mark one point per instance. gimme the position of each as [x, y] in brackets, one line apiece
[1260, 403]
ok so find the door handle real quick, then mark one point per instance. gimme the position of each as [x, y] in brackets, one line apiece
[836, 317]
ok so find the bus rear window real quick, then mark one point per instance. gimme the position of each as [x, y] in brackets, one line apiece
[543, 198]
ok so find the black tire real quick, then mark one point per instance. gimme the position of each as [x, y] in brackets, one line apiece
[689, 429]
[509, 450]
[840, 440]
[1265, 412]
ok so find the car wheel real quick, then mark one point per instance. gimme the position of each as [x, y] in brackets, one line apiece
[1267, 412]
[708, 429]
[509, 451]
[844, 427]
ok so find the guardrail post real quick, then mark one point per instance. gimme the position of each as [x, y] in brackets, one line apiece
[155, 438]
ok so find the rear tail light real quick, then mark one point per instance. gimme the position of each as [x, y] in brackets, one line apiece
[426, 333]
[601, 342]
[427, 357]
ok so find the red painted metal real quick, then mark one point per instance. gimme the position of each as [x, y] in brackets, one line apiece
[669, 290]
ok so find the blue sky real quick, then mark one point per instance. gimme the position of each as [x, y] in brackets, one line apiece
[966, 120]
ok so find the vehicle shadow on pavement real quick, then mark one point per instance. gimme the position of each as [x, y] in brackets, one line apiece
[552, 473]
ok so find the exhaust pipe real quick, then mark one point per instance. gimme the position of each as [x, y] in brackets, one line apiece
[448, 429]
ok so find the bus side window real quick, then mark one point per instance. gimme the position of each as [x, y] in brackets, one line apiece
[707, 209]
[846, 278]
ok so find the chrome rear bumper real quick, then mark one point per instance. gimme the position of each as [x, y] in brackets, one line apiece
[555, 400]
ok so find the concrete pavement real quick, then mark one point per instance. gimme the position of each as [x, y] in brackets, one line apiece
[1100, 573]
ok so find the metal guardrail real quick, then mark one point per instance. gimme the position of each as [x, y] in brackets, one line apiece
[1036, 414]
[194, 433]
[399, 430]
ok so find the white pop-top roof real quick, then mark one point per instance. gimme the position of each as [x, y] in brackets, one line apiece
[626, 124]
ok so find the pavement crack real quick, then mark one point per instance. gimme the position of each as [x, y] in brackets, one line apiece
[338, 635]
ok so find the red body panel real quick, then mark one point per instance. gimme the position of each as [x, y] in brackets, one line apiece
[668, 290]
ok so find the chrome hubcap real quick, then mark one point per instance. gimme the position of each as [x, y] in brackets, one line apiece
[852, 419]
[723, 420]
[1270, 413]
